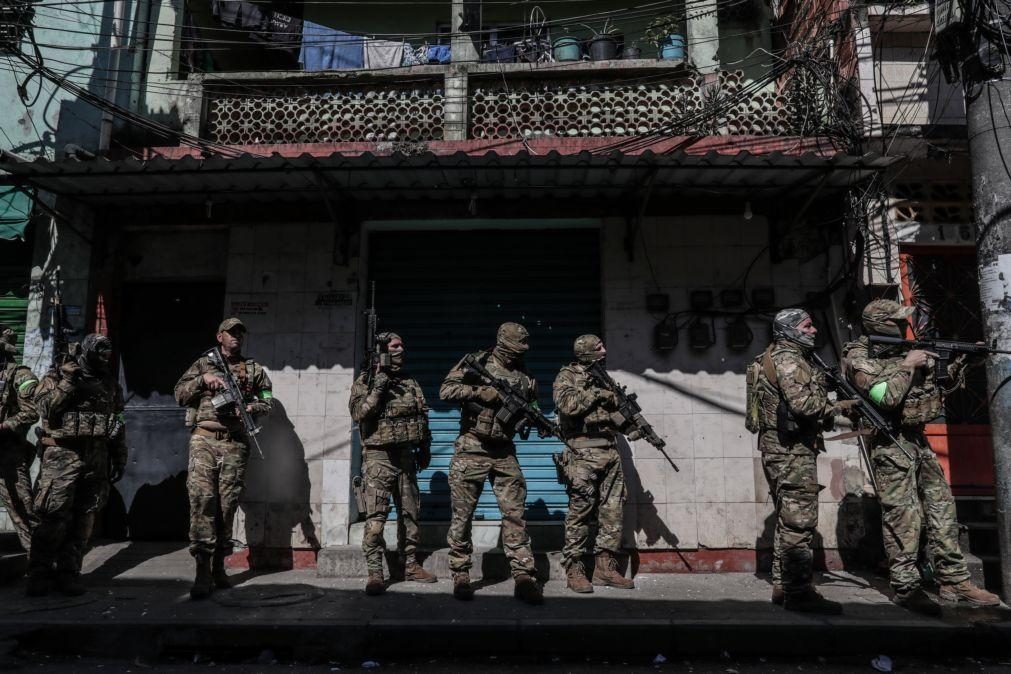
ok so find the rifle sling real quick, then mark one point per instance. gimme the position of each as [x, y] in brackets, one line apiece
[863, 432]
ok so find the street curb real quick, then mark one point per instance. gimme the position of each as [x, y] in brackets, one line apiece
[550, 637]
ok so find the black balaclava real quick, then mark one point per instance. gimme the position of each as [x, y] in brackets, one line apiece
[91, 360]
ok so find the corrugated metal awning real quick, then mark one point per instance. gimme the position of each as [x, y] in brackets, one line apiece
[250, 178]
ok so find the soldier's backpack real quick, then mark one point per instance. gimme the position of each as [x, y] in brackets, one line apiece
[753, 389]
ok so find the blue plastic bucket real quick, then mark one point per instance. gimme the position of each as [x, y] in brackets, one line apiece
[673, 49]
[567, 49]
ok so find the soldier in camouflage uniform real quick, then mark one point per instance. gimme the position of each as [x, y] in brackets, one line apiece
[17, 414]
[219, 451]
[389, 408]
[911, 485]
[793, 410]
[84, 450]
[485, 450]
[595, 483]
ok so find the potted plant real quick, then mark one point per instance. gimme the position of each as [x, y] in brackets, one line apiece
[631, 51]
[567, 48]
[663, 31]
[604, 43]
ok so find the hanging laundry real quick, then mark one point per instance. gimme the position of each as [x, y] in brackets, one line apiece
[325, 48]
[282, 31]
[438, 53]
[414, 57]
[238, 13]
[383, 54]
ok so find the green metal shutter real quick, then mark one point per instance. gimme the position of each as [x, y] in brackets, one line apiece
[13, 314]
[446, 293]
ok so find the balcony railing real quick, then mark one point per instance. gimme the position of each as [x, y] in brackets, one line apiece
[487, 101]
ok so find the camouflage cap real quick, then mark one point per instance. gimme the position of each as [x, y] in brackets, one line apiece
[880, 311]
[230, 323]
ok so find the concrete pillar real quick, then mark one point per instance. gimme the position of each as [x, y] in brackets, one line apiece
[464, 49]
[704, 36]
[456, 102]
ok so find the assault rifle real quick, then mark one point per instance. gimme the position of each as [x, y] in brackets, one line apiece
[231, 396]
[629, 410]
[944, 348]
[375, 353]
[515, 409]
[58, 325]
[864, 407]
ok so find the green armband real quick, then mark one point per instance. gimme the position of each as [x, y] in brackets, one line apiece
[877, 392]
[26, 384]
[266, 394]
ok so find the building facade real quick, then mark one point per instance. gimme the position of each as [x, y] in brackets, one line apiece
[668, 201]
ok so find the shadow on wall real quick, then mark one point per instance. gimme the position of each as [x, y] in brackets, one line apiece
[276, 498]
[641, 520]
[859, 542]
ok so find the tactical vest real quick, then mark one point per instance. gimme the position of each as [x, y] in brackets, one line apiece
[92, 413]
[597, 422]
[402, 419]
[922, 404]
[243, 371]
[476, 417]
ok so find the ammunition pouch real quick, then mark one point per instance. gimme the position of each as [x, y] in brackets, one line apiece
[97, 425]
[224, 403]
[786, 424]
[393, 431]
[488, 423]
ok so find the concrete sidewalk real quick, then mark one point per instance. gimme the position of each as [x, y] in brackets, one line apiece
[139, 605]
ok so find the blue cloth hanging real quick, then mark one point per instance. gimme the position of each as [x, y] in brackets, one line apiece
[325, 48]
[438, 53]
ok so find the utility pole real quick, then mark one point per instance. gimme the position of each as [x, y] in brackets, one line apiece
[972, 44]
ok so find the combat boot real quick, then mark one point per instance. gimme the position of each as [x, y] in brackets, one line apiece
[917, 601]
[778, 595]
[969, 593]
[527, 590]
[462, 589]
[606, 573]
[809, 601]
[39, 581]
[203, 584]
[416, 572]
[218, 574]
[376, 584]
[575, 578]
[69, 583]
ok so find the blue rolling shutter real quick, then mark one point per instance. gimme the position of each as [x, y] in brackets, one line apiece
[446, 293]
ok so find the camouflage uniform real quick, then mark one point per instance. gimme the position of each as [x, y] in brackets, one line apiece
[17, 413]
[84, 443]
[485, 450]
[392, 420]
[218, 449]
[789, 456]
[596, 485]
[913, 491]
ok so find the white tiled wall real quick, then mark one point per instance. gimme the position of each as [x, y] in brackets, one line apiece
[300, 491]
[719, 498]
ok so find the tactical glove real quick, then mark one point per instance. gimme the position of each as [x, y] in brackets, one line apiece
[487, 394]
[381, 381]
[636, 434]
[423, 455]
[607, 398]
